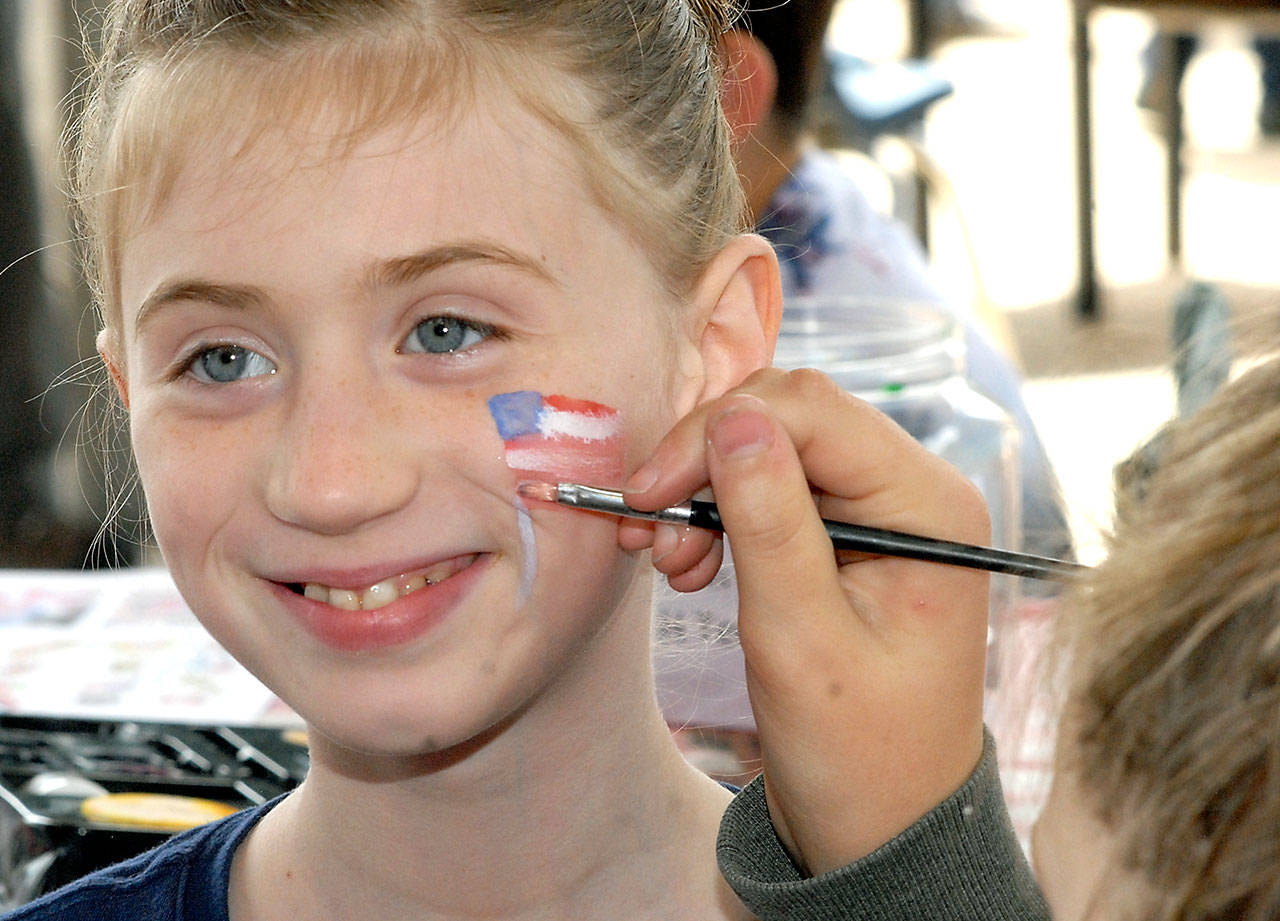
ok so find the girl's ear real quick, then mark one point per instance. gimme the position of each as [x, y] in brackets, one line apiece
[738, 300]
[108, 349]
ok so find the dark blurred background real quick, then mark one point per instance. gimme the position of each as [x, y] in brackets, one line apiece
[53, 492]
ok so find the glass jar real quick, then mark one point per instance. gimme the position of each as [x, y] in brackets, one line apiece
[907, 360]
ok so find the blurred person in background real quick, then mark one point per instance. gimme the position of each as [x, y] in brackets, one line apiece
[831, 240]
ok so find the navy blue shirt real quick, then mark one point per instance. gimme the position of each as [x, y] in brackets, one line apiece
[185, 879]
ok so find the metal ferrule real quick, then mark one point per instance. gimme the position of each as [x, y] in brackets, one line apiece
[611, 501]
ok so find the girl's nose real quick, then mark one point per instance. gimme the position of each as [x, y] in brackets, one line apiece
[342, 460]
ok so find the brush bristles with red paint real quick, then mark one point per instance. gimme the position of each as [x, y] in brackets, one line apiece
[543, 492]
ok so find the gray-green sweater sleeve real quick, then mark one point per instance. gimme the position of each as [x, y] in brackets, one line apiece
[959, 861]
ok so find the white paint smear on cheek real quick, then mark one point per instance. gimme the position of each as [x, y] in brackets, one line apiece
[529, 552]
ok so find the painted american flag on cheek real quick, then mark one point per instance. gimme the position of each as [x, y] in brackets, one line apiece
[560, 439]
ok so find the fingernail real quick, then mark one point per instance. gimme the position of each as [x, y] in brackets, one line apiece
[642, 480]
[665, 540]
[740, 433]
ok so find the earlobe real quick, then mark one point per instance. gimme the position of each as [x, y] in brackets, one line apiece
[108, 349]
[750, 82]
[739, 297]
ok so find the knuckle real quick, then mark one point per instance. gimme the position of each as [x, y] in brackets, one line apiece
[812, 385]
[762, 379]
[772, 535]
[978, 511]
[968, 508]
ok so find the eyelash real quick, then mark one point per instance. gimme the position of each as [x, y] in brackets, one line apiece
[185, 366]
[486, 332]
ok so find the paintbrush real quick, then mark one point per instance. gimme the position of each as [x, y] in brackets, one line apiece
[844, 536]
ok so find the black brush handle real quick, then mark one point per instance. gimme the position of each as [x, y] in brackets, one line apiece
[883, 542]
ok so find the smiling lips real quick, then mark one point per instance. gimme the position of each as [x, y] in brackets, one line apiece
[385, 592]
[386, 613]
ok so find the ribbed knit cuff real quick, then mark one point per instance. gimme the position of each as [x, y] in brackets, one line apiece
[961, 860]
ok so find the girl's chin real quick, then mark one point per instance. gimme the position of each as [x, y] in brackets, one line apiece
[387, 750]
[400, 715]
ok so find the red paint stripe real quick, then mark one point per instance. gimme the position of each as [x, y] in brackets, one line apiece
[569, 404]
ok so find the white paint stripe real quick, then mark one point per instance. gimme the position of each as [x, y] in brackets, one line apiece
[555, 422]
[564, 461]
[529, 544]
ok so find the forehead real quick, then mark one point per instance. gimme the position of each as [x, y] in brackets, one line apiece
[496, 165]
[324, 102]
[310, 108]
[238, 190]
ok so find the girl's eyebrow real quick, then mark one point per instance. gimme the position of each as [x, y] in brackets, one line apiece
[399, 270]
[240, 297]
[404, 269]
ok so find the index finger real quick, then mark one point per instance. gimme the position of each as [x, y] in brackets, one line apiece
[867, 468]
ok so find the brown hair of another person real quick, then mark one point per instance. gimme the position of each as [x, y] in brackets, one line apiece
[1175, 699]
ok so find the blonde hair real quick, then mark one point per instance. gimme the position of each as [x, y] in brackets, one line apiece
[1176, 691]
[634, 84]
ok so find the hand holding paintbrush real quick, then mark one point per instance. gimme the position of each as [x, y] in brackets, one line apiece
[865, 672]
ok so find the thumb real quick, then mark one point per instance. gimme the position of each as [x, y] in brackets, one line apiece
[784, 562]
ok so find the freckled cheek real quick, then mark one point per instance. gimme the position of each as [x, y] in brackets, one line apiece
[647, 425]
[460, 436]
[194, 479]
[650, 401]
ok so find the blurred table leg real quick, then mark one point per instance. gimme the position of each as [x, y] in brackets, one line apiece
[917, 29]
[1087, 306]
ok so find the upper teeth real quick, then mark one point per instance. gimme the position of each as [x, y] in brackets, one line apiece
[386, 591]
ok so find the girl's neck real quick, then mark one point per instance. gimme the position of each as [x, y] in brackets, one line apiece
[579, 803]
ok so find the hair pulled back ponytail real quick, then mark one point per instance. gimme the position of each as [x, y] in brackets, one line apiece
[718, 16]
[634, 84]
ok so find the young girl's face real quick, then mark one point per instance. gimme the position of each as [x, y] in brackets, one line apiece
[309, 345]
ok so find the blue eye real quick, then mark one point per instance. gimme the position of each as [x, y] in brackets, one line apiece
[226, 364]
[444, 335]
